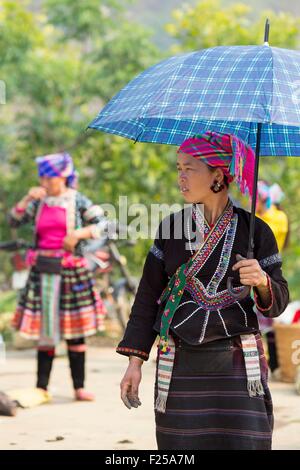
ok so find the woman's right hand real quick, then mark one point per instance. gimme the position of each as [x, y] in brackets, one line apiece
[36, 193]
[33, 194]
[130, 383]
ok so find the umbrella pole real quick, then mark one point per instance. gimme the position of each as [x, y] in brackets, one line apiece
[250, 252]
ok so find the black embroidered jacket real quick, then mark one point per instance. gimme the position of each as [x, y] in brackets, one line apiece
[209, 312]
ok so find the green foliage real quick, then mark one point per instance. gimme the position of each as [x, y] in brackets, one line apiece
[18, 32]
[209, 24]
[7, 302]
[81, 20]
[63, 62]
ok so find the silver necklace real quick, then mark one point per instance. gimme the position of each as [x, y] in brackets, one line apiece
[59, 201]
[200, 225]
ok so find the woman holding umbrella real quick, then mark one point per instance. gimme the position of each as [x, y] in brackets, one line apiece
[59, 300]
[211, 387]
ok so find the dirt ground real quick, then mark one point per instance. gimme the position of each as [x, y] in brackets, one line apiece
[106, 423]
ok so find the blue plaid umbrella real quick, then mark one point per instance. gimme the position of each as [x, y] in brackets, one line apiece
[227, 89]
[250, 91]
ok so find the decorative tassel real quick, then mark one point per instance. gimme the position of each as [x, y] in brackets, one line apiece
[164, 345]
[255, 388]
[252, 365]
[161, 403]
[242, 164]
[164, 375]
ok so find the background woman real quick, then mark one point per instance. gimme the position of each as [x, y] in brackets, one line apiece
[59, 301]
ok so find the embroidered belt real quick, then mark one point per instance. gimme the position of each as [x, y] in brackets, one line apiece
[68, 259]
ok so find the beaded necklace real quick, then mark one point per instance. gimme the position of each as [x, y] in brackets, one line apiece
[202, 226]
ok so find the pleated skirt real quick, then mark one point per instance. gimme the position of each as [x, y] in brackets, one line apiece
[208, 406]
[82, 311]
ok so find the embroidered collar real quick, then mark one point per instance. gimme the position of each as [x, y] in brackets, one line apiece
[212, 240]
[188, 270]
[59, 201]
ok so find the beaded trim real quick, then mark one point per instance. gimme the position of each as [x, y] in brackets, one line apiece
[244, 312]
[256, 298]
[202, 256]
[210, 244]
[157, 252]
[199, 219]
[264, 263]
[221, 270]
[201, 225]
[132, 351]
[207, 313]
[208, 297]
[216, 301]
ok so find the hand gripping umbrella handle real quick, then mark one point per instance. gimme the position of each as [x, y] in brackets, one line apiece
[250, 253]
[246, 289]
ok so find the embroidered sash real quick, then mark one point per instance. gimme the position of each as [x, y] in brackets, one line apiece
[207, 298]
[185, 275]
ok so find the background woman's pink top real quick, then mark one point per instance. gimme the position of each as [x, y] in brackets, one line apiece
[51, 228]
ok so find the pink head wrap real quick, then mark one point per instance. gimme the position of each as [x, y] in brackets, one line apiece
[226, 151]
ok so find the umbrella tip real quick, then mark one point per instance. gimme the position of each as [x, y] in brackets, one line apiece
[267, 31]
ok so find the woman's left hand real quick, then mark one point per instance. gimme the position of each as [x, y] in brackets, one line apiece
[70, 242]
[251, 273]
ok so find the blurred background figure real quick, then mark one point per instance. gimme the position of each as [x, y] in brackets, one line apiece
[269, 198]
[270, 210]
[59, 300]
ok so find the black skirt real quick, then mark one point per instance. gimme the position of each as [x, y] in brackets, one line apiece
[208, 404]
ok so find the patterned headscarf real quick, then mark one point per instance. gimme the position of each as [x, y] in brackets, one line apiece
[57, 164]
[263, 191]
[226, 151]
[276, 194]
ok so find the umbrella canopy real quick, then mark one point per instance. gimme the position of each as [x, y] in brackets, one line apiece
[225, 89]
